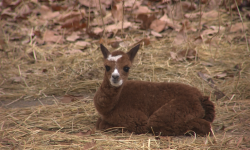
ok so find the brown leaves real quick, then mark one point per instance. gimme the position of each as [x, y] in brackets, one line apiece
[146, 21]
[75, 24]
[117, 11]
[218, 94]
[70, 98]
[177, 10]
[184, 55]
[73, 21]
[239, 27]
[158, 25]
[50, 36]
[90, 145]
[87, 133]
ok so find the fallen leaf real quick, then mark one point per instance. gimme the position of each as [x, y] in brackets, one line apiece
[111, 28]
[183, 55]
[181, 37]
[82, 44]
[117, 11]
[156, 34]
[17, 79]
[173, 55]
[73, 37]
[90, 145]
[209, 32]
[94, 33]
[221, 75]
[146, 21]
[207, 64]
[95, 3]
[188, 6]
[98, 21]
[188, 27]
[7, 141]
[57, 7]
[70, 98]
[211, 14]
[158, 25]
[115, 44]
[205, 77]
[213, 4]
[63, 18]
[199, 40]
[42, 10]
[142, 10]
[187, 54]
[23, 12]
[170, 23]
[89, 132]
[44, 70]
[239, 27]
[218, 94]
[132, 3]
[51, 15]
[239, 142]
[67, 99]
[145, 41]
[6, 3]
[237, 67]
[73, 51]
[193, 15]
[177, 10]
[11, 4]
[7, 13]
[49, 36]
[125, 44]
[75, 24]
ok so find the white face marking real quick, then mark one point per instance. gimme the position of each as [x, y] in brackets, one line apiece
[115, 73]
[116, 84]
[114, 58]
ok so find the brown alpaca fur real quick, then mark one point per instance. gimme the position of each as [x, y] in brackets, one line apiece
[140, 107]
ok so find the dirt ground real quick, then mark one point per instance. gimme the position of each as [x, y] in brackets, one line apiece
[51, 67]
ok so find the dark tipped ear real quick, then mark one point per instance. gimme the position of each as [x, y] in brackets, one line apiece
[105, 51]
[133, 52]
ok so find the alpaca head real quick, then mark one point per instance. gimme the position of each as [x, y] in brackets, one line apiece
[117, 65]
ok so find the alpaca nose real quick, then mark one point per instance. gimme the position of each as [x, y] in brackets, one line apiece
[115, 77]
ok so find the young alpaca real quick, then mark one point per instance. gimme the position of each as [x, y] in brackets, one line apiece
[140, 107]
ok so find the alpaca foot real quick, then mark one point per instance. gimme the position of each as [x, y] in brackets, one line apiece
[199, 126]
[102, 125]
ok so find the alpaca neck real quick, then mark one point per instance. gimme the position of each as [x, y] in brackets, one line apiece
[107, 97]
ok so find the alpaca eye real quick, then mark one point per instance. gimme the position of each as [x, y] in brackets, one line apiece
[107, 68]
[126, 69]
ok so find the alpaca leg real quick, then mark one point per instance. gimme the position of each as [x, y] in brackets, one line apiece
[172, 118]
[133, 121]
[200, 126]
[102, 125]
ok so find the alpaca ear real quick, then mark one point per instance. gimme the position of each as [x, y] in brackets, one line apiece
[133, 52]
[105, 51]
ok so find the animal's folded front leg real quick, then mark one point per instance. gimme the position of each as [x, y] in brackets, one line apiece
[132, 122]
[102, 125]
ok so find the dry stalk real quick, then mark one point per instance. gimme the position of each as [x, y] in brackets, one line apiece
[123, 10]
[200, 27]
[243, 29]
[103, 25]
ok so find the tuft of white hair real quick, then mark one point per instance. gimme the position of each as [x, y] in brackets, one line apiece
[114, 58]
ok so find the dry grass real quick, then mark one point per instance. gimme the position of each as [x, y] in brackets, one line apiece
[52, 73]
